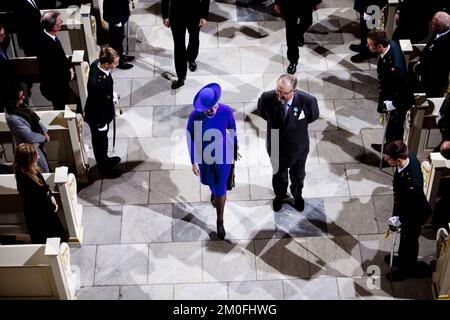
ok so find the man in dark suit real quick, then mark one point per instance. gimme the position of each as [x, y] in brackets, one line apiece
[433, 66]
[116, 13]
[366, 18]
[182, 15]
[413, 20]
[412, 208]
[7, 72]
[99, 110]
[28, 24]
[288, 113]
[298, 18]
[55, 69]
[395, 94]
[444, 127]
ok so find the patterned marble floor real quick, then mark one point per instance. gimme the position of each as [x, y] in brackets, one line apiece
[150, 234]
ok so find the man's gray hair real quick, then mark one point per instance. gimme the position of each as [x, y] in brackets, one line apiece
[288, 78]
[49, 19]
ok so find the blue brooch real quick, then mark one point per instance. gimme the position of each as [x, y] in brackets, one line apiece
[295, 111]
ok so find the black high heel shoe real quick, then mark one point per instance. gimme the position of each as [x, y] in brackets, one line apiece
[220, 230]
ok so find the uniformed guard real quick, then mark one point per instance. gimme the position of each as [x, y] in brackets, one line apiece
[99, 110]
[395, 93]
[411, 206]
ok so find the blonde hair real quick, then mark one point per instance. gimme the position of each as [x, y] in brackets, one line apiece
[25, 162]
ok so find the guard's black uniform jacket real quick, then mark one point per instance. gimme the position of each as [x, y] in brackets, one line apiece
[99, 109]
[393, 82]
[116, 11]
[411, 205]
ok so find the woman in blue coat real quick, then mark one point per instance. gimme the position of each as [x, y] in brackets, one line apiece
[212, 142]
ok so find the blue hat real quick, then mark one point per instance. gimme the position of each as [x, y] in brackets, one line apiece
[207, 97]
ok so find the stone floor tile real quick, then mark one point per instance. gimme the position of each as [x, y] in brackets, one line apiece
[256, 290]
[134, 122]
[201, 291]
[383, 211]
[251, 11]
[370, 136]
[338, 56]
[330, 85]
[327, 118]
[357, 114]
[365, 84]
[171, 121]
[261, 59]
[124, 90]
[417, 289]
[89, 195]
[129, 188]
[228, 261]
[101, 225]
[124, 264]
[151, 154]
[241, 87]
[339, 146]
[229, 62]
[194, 222]
[350, 216]
[373, 250]
[147, 292]
[271, 32]
[143, 67]
[238, 35]
[98, 293]
[209, 36]
[367, 288]
[82, 262]
[311, 60]
[175, 262]
[261, 183]
[185, 95]
[325, 181]
[145, 15]
[153, 38]
[311, 222]
[147, 224]
[311, 289]
[323, 32]
[338, 256]
[174, 186]
[367, 180]
[285, 258]
[152, 91]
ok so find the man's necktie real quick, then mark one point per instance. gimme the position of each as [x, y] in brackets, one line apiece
[285, 110]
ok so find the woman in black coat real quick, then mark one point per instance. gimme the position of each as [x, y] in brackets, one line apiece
[40, 207]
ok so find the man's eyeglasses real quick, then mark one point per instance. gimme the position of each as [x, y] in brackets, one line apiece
[284, 94]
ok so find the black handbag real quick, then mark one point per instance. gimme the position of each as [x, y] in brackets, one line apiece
[230, 180]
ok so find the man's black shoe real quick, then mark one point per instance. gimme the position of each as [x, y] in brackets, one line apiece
[192, 66]
[292, 68]
[177, 84]
[109, 173]
[299, 204]
[277, 204]
[301, 41]
[355, 47]
[395, 260]
[360, 57]
[376, 147]
[129, 58]
[112, 161]
[125, 66]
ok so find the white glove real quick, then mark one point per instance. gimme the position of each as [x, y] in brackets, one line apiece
[367, 17]
[119, 24]
[389, 105]
[394, 221]
[104, 128]
[116, 97]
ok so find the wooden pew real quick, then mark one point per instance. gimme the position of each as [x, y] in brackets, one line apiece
[441, 277]
[37, 271]
[440, 169]
[64, 186]
[66, 147]
[27, 71]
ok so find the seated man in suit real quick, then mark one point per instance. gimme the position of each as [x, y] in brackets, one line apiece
[55, 69]
[433, 66]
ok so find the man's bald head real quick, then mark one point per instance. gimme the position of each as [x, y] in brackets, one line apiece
[440, 22]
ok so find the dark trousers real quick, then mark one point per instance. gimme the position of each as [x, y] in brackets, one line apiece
[364, 31]
[183, 55]
[116, 36]
[296, 29]
[395, 125]
[408, 250]
[297, 174]
[60, 96]
[100, 146]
